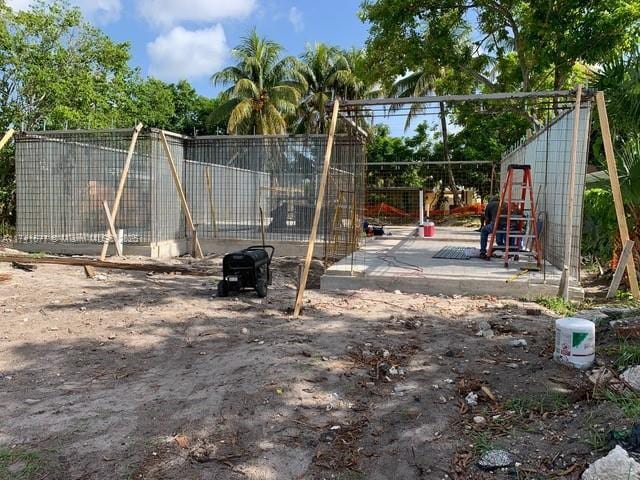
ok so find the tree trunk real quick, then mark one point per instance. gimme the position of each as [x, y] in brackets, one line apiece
[445, 148]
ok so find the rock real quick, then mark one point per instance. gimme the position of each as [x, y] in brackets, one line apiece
[101, 277]
[479, 420]
[494, 459]
[521, 342]
[182, 441]
[393, 371]
[616, 313]
[386, 354]
[593, 315]
[512, 365]
[397, 292]
[245, 331]
[412, 324]
[617, 465]
[631, 376]
[484, 329]
[32, 401]
[471, 399]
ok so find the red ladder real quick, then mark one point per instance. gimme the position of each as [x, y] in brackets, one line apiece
[518, 215]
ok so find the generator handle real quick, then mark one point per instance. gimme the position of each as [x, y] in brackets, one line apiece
[263, 247]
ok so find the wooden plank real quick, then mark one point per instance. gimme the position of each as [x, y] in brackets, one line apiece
[568, 232]
[89, 271]
[181, 196]
[83, 261]
[112, 228]
[627, 251]
[207, 173]
[318, 212]
[6, 137]
[123, 180]
[615, 189]
[262, 227]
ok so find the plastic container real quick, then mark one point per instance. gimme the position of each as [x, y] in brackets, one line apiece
[575, 342]
[429, 229]
[421, 230]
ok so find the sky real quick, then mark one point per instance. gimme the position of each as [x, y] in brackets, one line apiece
[191, 39]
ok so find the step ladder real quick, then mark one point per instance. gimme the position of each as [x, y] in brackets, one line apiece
[518, 217]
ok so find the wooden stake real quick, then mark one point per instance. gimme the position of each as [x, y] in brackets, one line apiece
[89, 271]
[112, 228]
[262, 226]
[181, 195]
[627, 251]
[207, 174]
[318, 212]
[123, 180]
[615, 189]
[7, 136]
[568, 233]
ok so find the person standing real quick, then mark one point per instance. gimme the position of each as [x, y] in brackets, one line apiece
[490, 216]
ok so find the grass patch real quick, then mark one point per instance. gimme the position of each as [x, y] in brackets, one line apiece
[627, 354]
[482, 443]
[628, 401]
[548, 402]
[18, 464]
[558, 305]
[596, 439]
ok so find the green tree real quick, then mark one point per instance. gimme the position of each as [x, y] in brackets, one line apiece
[264, 88]
[500, 45]
[326, 73]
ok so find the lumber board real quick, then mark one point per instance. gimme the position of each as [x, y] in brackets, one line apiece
[123, 180]
[91, 262]
[183, 199]
[112, 228]
[6, 137]
[568, 232]
[627, 251]
[615, 189]
[316, 218]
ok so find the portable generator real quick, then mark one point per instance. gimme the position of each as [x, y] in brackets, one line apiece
[248, 268]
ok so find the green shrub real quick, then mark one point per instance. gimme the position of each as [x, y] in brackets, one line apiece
[600, 225]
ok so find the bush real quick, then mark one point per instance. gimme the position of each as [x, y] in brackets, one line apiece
[600, 226]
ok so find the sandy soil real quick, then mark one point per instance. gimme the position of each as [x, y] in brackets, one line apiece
[130, 375]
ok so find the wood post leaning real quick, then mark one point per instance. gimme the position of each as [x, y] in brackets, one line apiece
[316, 218]
[183, 198]
[615, 189]
[6, 137]
[123, 180]
[568, 233]
[627, 251]
[112, 228]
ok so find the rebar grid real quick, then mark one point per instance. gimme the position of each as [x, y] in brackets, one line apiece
[63, 178]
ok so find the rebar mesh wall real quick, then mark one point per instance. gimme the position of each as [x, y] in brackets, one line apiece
[548, 152]
[280, 174]
[450, 189]
[63, 178]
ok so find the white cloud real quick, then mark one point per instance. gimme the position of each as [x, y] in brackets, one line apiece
[295, 17]
[187, 54]
[166, 13]
[101, 10]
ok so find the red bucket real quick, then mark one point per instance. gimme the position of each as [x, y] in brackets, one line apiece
[429, 229]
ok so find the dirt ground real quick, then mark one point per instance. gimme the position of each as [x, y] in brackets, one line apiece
[139, 376]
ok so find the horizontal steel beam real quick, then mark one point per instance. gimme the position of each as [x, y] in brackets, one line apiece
[479, 97]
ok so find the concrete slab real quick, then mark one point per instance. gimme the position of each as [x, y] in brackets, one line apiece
[405, 262]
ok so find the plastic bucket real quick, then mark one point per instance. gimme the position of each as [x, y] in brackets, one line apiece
[575, 342]
[429, 229]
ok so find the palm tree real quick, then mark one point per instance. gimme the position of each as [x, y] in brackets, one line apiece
[325, 72]
[264, 88]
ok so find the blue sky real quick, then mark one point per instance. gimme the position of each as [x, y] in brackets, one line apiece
[191, 39]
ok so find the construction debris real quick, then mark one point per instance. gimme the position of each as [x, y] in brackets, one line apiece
[617, 465]
[631, 376]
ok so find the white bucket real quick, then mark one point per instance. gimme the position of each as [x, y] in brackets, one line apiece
[575, 342]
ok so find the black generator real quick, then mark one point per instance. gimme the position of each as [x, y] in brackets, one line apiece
[248, 268]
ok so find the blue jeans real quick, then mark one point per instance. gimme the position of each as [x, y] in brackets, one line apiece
[484, 237]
